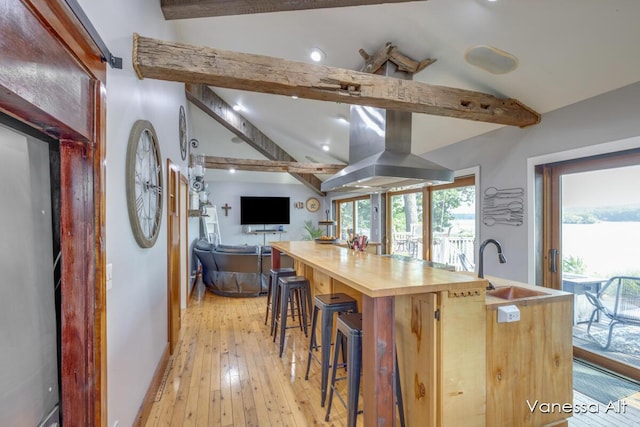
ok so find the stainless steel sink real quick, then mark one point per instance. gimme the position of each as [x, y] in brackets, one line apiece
[514, 292]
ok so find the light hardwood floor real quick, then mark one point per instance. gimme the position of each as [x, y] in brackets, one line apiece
[226, 371]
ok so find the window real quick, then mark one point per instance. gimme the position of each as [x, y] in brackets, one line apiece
[451, 219]
[354, 217]
[453, 223]
[406, 218]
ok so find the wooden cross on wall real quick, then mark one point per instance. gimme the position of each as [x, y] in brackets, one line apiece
[226, 208]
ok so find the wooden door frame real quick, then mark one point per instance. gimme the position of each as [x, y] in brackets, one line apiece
[78, 122]
[550, 175]
[183, 216]
[173, 208]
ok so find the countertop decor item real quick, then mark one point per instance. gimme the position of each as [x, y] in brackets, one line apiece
[144, 184]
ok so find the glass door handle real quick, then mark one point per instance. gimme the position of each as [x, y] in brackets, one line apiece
[553, 263]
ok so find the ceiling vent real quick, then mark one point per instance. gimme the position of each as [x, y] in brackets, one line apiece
[491, 59]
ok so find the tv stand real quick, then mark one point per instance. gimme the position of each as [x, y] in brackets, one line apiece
[264, 233]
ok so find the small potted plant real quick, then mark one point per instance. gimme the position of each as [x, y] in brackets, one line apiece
[314, 232]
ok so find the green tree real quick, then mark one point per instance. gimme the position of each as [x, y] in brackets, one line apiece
[573, 264]
[363, 216]
[444, 201]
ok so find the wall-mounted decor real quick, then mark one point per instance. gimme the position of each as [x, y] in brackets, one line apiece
[503, 206]
[182, 132]
[313, 204]
[144, 183]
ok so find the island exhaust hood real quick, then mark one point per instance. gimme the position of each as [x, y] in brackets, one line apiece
[380, 152]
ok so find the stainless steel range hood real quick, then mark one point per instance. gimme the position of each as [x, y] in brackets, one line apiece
[380, 152]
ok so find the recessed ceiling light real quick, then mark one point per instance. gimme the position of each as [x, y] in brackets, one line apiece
[232, 170]
[326, 147]
[294, 96]
[316, 54]
[237, 107]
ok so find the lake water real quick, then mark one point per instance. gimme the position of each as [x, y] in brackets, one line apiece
[607, 248]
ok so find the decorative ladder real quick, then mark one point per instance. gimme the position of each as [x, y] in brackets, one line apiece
[210, 225]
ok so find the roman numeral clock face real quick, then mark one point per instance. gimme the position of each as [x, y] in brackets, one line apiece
[144, 183]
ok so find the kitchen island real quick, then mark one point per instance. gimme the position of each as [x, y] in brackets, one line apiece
[439, 321]
[440, 316]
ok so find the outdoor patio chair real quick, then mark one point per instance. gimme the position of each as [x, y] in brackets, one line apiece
[465, 263]
[619, 300]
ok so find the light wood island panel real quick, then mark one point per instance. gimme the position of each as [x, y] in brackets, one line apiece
[436, 317]
[530, 360]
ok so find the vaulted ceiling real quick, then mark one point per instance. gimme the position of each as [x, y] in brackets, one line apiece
[567, 51]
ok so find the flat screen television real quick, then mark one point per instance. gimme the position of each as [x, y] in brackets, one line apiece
[264, 210]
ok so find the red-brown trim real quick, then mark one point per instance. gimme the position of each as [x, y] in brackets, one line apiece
[78, 376]
[378, 367]
[58, 17]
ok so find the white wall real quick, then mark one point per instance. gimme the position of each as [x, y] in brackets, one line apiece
[137, 303]
[230, 192]
[600, 124]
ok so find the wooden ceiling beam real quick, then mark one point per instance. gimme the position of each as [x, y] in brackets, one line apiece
[172, 61]
[214, 106]
[184, 9]
[212, 162]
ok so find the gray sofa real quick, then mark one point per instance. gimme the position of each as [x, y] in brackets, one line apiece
[235, 270]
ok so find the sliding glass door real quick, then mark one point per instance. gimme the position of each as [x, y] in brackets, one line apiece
[592, 238]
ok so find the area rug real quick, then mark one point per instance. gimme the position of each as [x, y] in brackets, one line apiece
[600, 385]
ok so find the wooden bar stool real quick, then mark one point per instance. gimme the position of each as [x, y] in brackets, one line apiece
[292, 288]
[350, 326]
[328, 304]
[272, 291]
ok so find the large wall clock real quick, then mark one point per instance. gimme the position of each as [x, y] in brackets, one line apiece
[182, 130]
[144, 183]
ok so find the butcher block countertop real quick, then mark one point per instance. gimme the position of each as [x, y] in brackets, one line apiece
[377, 276]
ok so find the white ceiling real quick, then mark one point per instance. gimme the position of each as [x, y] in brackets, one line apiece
[568, 50]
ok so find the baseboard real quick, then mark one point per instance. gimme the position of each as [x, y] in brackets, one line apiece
[194, 284]
[145, 409]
